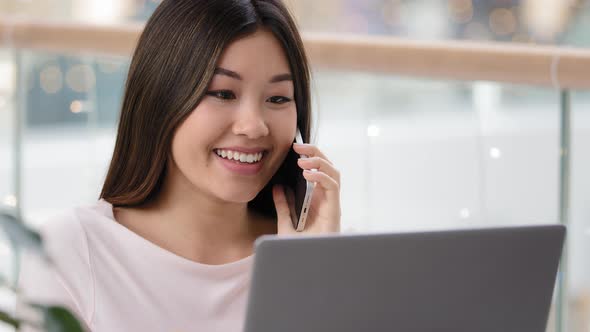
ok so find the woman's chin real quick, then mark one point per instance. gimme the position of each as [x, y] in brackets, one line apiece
[238, 196]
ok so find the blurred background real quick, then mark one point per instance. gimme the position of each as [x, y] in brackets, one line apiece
[414, 153]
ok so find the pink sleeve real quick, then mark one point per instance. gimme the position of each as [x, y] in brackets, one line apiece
[69, 282]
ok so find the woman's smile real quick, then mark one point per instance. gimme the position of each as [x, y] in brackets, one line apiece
[241, 161]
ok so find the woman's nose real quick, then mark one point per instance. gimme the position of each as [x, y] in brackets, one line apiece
[250, 121]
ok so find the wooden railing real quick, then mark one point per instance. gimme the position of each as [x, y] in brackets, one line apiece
[559, 67]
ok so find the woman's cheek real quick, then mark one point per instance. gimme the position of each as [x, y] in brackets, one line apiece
[286, 124]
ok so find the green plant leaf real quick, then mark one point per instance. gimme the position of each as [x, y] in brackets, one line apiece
[19, 234]
[6, 318]
[59, 319]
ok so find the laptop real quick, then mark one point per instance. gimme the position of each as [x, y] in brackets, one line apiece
[485, 280]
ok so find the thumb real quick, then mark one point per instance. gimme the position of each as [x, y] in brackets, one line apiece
[284, 224]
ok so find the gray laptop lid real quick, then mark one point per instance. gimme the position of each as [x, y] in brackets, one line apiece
[498, 279]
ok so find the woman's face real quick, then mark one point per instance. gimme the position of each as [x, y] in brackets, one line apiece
[234, 141]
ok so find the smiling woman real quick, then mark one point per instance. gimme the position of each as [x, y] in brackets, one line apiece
[167, 80]
[201, 168]
[247, 112]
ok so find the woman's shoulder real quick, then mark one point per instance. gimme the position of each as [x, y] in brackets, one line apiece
[68, 279]
[65, 235]
[68, 229]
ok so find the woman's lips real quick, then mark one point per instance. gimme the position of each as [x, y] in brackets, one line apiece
[241, 168]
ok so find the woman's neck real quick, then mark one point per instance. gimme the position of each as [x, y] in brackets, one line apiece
[196, 226]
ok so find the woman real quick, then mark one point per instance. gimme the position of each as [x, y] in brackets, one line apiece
[215, 93]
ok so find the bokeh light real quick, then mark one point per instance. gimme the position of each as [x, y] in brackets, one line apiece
[76, 106]
[51, 79]
[81, 78]
[461, 10]
[503, 21]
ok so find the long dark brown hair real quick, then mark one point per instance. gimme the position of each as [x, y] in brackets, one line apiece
[170, 71]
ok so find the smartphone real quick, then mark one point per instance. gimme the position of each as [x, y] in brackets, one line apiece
[302, 193]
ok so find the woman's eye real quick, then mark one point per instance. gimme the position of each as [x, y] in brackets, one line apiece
[222, 94]
[278, 99]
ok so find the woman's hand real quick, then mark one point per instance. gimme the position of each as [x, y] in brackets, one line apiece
[324, 211]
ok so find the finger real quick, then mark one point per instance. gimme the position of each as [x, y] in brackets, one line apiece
[310, 151]
[320, 165]
[330, 185]
[284, 224]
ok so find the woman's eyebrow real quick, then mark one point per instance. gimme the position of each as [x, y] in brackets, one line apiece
[233, 74]
[281, 78]
[227, 72]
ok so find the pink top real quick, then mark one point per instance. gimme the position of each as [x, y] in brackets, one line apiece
[115, 280]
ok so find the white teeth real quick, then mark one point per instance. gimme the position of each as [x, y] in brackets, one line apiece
[241, 157]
